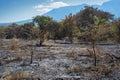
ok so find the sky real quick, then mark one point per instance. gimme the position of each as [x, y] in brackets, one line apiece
[18, 10]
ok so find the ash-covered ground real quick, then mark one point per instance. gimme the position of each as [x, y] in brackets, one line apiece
[56, 61]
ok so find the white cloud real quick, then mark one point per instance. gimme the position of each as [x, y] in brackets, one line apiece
[89, 2]
[97, 2]
[46, 8]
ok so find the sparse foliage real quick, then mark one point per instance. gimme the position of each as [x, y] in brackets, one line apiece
[68, 26]
[88, 22]
[42, 21]
[116, 30]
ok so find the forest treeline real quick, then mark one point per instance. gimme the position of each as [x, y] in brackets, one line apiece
[90, 24]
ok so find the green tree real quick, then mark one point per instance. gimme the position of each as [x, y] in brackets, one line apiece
[88, 22]
[41, 21]
[53, 28]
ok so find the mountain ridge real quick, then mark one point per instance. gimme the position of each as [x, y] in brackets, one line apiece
[60, 13]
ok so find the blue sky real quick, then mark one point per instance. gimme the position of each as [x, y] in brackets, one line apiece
[17, 10]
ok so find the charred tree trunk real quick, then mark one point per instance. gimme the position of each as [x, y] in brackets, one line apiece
[71, 40]
[94, 52]
[40, 44]
[41, 34]
[31, 60]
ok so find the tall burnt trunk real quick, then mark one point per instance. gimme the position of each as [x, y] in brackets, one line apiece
[94, 52]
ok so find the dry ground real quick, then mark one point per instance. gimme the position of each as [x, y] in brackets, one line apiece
[55, 61]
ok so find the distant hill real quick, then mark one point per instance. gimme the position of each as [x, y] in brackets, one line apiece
[58, 14]
[113, 6]
[19, 22]
[4, 24]
[110, 6]
[22, 22]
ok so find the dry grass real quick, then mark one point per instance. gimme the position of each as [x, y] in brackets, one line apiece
[9, 60]
[89, 52]
[14, 44]
[23, 53]
[21, 49]
[117, 66]
[106, 58]
[19, 76]
[100, 69]
[71, 54]
[40, 57]
[75, 69]
[17, 45]
[1, 44]
[13, 59]
[85, 52]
